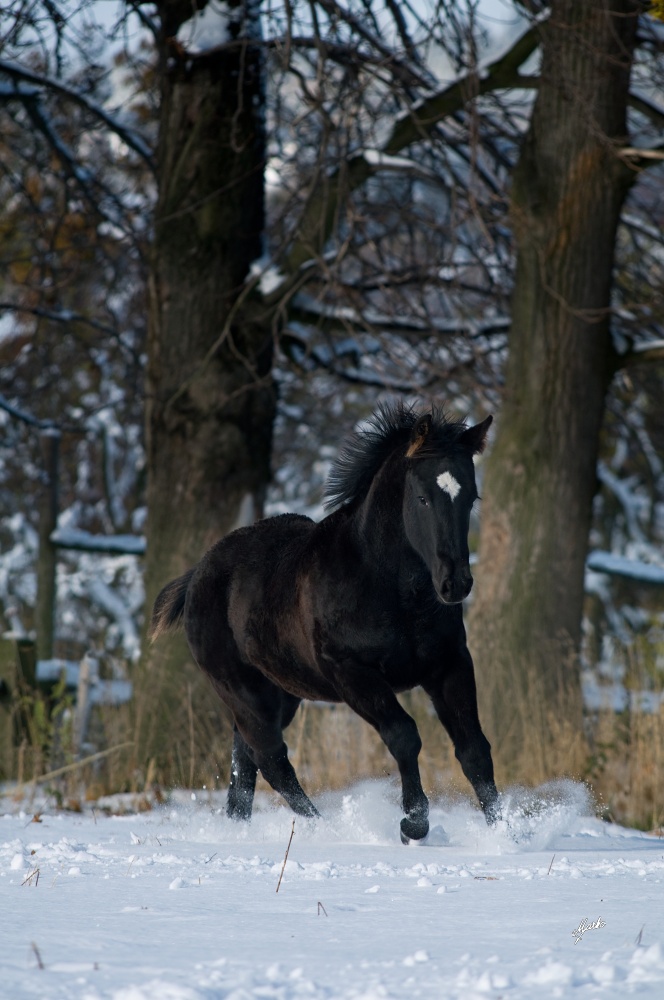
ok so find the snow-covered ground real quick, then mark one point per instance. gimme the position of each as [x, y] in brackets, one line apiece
[180, 904]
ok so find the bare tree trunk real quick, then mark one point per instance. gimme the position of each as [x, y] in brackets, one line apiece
[211, 398]
[569, 186]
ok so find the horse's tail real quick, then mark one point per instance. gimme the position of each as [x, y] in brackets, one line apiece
[168, 609]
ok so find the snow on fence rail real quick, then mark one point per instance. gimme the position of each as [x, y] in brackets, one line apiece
[101, 692]
[84, 679]
[632, 569]
[85, 541]
[23, 677]
[616, 697]
[135, 545]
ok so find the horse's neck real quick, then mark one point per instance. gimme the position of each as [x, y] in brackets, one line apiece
[387, 557]
[378, 525]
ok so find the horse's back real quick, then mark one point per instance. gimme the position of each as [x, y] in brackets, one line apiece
[235, 581]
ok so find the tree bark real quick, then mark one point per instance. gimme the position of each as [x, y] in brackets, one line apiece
[211, 398]
[568, 190]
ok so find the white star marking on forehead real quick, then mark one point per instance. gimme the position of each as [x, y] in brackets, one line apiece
[448, 484]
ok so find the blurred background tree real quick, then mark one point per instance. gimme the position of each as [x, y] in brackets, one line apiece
[248, 221]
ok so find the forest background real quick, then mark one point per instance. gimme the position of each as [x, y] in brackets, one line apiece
[227, 231]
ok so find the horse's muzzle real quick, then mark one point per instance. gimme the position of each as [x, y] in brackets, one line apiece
[453, 587]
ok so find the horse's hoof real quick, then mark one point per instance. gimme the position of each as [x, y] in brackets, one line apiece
[309, 811]
[413, 829]
[492, 813]
[239, 815]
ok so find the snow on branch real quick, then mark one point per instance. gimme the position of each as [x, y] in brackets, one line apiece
[297, 342]
[49, 427]
[218, 25]
[409, 73]
[643, 354]
[307, 318]
[641, 103]
[500, 74]
[68, 316]
[642, 157]
[22, 74]
[209, 28]
[422, 119]
[305, 307]
[27, 418]
[69, 162]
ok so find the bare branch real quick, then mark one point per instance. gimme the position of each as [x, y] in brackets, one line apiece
[500, 74]
[647, 108]
[128, 136]
[642, 158]
[320, 213]
[408, 75]
[67, 157]
[27, 418]
[67, 316]
[304, 308]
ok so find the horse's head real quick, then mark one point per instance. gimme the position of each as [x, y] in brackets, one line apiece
[439, 495]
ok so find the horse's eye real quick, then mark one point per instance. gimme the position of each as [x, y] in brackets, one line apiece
[423, 501]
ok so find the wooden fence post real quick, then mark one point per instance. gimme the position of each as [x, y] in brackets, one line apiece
[27, 661]
[87, 675]
[7, 696]
[47, 559]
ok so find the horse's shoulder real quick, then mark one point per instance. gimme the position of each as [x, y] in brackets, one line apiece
[283, 530]
[333, 525]
[288, 520]
[261, 539]
[275, 526]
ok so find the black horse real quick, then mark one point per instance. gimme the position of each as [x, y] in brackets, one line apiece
[364, 604]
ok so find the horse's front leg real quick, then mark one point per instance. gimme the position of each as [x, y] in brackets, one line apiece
[454, 696]
[365, 691]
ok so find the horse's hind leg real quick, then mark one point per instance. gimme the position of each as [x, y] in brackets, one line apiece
[278, 771]
[262, 733]
[244, 770]
[243, 780]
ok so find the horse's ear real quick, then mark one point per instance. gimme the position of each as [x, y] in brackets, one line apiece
[419, 434]
[475, 437]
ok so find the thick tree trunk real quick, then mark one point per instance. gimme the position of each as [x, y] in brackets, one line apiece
[211, 398]
[540, 478]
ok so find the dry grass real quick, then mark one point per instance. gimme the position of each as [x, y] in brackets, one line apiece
[620, 756]
[626, 767]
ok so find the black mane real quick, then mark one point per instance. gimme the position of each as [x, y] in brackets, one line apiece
[364, 452]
